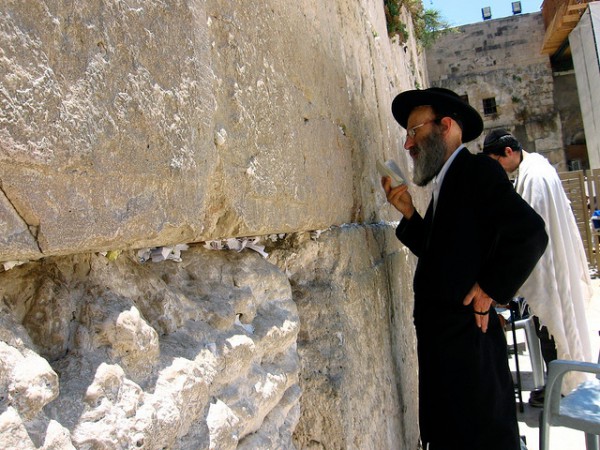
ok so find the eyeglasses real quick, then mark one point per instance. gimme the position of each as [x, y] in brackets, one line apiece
[412, 132]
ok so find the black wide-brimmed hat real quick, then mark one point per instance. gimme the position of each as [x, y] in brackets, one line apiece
[445, 102]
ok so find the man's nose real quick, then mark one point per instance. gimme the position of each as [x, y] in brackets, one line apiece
[409, 142]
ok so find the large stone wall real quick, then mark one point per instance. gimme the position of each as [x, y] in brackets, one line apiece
[355, 343]
[139, 123]
[312, 348]
[129, 125]
[502, 59]
[195, 354]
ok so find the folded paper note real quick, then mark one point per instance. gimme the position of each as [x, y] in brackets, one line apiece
[391, 169]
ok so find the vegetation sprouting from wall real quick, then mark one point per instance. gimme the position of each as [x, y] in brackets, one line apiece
[428, 23]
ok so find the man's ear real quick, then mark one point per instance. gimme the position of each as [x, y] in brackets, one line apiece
[447, 124]
[508, 151]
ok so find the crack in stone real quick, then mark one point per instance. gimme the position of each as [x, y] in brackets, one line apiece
[29, 227]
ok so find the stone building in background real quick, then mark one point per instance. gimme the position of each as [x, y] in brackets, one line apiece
[581, 25]
[499, 67]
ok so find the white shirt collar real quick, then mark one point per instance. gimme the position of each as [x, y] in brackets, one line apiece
[439, 178]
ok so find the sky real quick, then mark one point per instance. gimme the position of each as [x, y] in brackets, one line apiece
[462, 12]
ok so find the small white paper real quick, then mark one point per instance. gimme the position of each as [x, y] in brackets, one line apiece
[10, 264]
[159, 254]
[213, 245]
[238, 244]
[391, 169]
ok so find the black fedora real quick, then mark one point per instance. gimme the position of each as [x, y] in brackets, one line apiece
[446, 102]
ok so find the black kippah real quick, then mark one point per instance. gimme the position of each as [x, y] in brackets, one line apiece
[497, 140]
[494, 136]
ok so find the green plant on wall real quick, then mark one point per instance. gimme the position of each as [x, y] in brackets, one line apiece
[428, 23]
[392, 15]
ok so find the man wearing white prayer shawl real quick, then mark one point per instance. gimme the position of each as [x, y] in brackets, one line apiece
[559, 289]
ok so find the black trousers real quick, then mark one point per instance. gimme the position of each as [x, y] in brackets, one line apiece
[546, 341]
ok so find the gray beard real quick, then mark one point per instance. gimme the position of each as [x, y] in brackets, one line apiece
[430, 159]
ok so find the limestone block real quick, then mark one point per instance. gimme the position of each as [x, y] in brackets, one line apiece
[544, 145]
[126, 380]
[146, 124]
[84, 85]
[346, 344]
[356, 341]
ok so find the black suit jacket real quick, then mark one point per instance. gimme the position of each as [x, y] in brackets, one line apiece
[482, 231]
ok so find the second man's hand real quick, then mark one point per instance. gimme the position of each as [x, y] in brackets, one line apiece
[398, 197]
[481, 306]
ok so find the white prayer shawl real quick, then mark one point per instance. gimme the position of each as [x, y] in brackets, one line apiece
[559, 289]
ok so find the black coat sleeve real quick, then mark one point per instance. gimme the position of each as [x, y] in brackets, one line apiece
[412, 233]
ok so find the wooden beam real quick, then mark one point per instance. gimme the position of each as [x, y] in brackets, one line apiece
[566, 18]
[571, 19]
[576, 7]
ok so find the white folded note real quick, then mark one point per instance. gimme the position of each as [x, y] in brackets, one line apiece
[391, 169]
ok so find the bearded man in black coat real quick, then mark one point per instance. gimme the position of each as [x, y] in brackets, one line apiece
[476, 244]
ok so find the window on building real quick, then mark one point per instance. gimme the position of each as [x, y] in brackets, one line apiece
[489, 106]
[465, 98]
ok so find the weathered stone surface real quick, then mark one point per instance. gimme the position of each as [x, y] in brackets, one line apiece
[133, 124]
[217, 351]
[12, 431]
[143, 123]
[57, 437]
[148, 352]
[102, 105]
[27, 382]
[15, 236]
[356, 343]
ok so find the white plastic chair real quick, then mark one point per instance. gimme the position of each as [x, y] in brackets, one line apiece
[535, 350]
[533, 345]
[580, 409]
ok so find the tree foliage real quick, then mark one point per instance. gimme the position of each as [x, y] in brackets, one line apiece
[428, 23]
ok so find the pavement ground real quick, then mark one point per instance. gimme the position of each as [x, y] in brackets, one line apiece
[561, 438]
